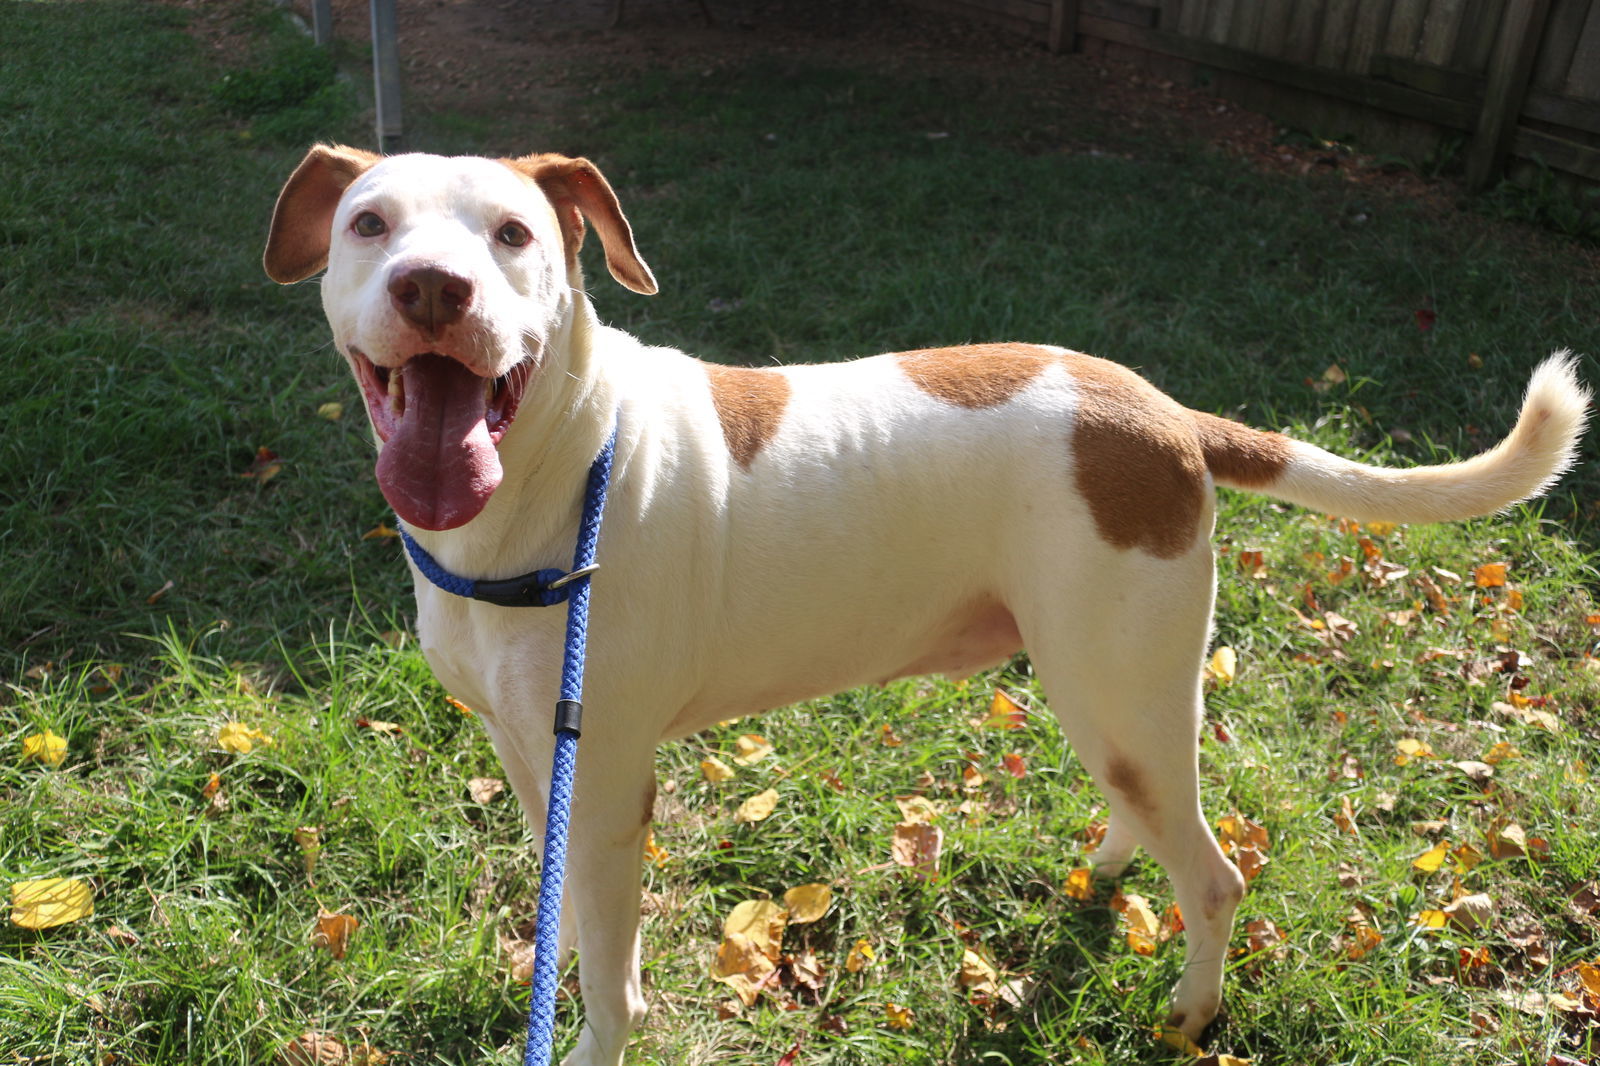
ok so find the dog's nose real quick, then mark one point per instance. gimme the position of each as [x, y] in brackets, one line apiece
[430, 297]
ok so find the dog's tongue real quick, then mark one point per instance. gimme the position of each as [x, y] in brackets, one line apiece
[439, 466]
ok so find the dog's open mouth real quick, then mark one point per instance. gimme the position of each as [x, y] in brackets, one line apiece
[440, 425]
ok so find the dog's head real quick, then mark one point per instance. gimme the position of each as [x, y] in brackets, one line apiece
[449, 281]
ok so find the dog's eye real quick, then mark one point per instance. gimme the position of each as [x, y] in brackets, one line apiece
[513, 234]
[368, 224]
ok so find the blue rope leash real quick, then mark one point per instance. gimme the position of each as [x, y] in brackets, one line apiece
[542, 588]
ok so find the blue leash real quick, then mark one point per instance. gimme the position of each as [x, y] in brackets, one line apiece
[541, 588]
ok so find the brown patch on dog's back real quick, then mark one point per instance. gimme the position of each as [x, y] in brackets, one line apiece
[750, 405]
[976, 375]
[1239, 455]
[1137, 460]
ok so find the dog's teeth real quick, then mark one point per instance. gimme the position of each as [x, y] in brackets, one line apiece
[396, 392]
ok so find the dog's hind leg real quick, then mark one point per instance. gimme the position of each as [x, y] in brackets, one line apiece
[1126, 690]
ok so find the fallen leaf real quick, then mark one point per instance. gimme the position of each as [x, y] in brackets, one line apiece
[917, 847]
[750, 749]
[1466, 857]
[1480, 772]
[50, 901]
[1251, 861]
[1014, 765]
[381, 531]
[808, 903]
[240, 738]
[1224, 665]
[743, 966]
[1489, 576]
[899, 1017]
[809, 971]
[1004, 713]
[788, 1057]
[1080, 884]
[212, 786]
[46, 748]
[484, 789]
[1408, 749]
[309, 837]
[331, 412]
[1360, 941]
[1430, 919]
[1235, 830]
[1430, 860]
[1503, 751]
[918, 810]
[1345, 817]
[715, 770]
[890, 738]
[264, 467]
[860, 957]
[757, 807]
[388, 729]
[653, 851]
[155, 597]
[1266, 937]
[977, 974]
[312, 1049]
[1471, 912]
[332, 932]
[972, 778]
[1141, 926]
[1173, 1037]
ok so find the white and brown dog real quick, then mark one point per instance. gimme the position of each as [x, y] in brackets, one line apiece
[778, 534]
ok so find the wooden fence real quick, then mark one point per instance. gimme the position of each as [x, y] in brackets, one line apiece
[1520, 79]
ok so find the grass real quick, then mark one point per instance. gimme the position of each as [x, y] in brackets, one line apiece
[150, 361]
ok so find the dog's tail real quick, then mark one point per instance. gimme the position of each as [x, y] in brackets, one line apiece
[1540, 447]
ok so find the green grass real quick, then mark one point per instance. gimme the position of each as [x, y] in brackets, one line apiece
[149, 360]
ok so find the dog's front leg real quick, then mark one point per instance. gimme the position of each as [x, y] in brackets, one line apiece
[612, 803]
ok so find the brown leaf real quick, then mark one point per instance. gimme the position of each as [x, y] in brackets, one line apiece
[332, 932]
[484, 789]
[917, 847]
[312, 1049]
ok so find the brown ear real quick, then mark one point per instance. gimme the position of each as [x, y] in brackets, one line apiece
[578, 190]
[302, 223]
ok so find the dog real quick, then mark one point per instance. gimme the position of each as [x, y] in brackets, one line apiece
[778, 534]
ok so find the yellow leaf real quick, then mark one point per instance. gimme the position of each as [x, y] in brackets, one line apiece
[1381, 529]
[1004, 713]
[50, 901]
[715, 770]
[309, 837]
[1489, 576]
[899, 1017]
[1589, 977]
[1503, 751]
[978, 974]
[757, 807]
[742, 965]
[381, 531]
[653, 851]
[1142, 924]
[972, 778]
[751, 749]
[1080, 884]
[458, 705]
[1432, 859]
[331, 412]
[1467, 857]
[1409, 748]
[1224, 665]
[861, 956]
[240, 738]
[808, 903]
[1430, 919]
[332, 932]
[44, 748]
[761, 921]
[1173, 1037]
[1235, 830]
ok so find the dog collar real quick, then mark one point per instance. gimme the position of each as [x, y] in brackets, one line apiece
[537, 588]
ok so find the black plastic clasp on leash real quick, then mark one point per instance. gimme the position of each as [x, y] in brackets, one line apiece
[542, 588]
[569, 717]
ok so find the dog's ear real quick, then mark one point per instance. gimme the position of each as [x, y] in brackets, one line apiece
[577, 190]
[302, 223]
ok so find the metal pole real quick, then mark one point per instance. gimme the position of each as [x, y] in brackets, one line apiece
[386, 74]
[322, 21]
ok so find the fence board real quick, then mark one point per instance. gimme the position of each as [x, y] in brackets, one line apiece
[1405, 26]
[1192, 17]
[1562, 29]
[1364, 34]
[1439, 31]
[1583, 76]
[1509, 70]
[1273, 34]
[1480, 26]
[1220, 21]
[1334, 43]
[1305, 26]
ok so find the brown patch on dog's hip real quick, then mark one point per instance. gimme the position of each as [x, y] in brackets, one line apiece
[1137, 460]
